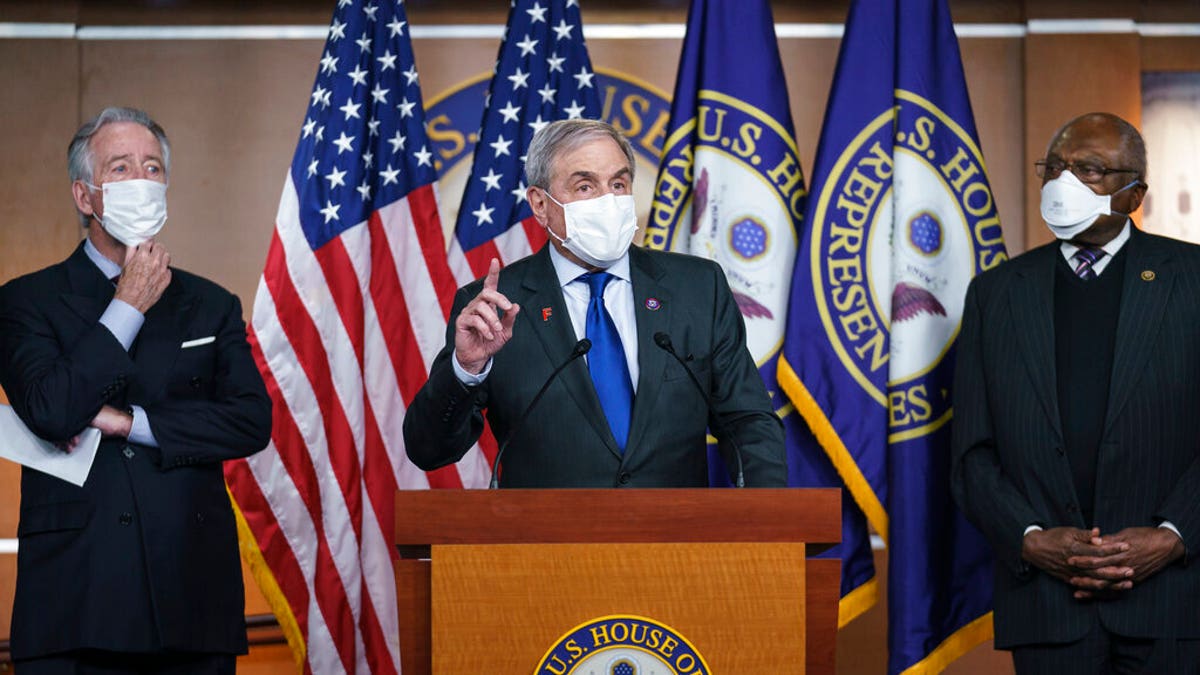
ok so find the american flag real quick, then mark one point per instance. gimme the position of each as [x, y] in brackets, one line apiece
[542, 74]
[351, 309]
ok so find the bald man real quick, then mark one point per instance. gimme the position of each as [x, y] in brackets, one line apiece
[1077, 423]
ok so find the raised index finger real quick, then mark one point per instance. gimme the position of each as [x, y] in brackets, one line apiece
[492, 280]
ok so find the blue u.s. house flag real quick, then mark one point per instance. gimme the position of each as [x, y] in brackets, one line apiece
[730, 188]
[900, 218]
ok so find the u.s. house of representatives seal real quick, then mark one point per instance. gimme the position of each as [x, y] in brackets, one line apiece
[904, 221]
[622, 645]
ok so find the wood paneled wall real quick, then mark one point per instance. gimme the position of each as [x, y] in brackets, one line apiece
[233, 109]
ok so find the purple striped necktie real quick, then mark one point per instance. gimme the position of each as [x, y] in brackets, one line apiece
[1085, 258]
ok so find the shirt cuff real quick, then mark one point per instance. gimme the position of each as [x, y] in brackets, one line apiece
[123, 321]
[1033, 528]
[140, 432]
[470, 379]
[1171, 526]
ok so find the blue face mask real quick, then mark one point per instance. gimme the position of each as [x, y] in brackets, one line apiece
[1069, 207]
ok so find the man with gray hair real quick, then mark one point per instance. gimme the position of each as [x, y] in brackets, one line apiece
[135, 571]
[628, 414]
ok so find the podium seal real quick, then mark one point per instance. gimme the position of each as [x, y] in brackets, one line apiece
[622, 645]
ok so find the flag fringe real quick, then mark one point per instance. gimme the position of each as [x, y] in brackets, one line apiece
[846, 467]
[858, 601]
[269, 587]
[958, 643]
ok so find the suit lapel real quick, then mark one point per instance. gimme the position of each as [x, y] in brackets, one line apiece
[1143, 302]
[89, 292]
[652, 304]
[157, 344]
[1032, 306]
[557, 337]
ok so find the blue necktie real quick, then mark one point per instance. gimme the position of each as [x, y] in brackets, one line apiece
[606, 361]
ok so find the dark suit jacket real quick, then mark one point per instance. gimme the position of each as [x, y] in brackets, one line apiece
[1010, 470]
[566, 442]
[144, 555]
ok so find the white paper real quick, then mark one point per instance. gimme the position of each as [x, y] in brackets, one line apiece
[20, 445]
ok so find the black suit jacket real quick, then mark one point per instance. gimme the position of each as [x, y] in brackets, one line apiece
[566, 442]
[1010, 470]
[144, 556]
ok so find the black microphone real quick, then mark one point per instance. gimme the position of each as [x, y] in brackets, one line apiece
[664, 343]
[582, 347]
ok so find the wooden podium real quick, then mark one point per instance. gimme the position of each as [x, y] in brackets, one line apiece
[490, 580]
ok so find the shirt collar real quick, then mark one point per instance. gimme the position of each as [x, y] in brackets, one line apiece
[107, 267]
[567, 271]
[1110, 249]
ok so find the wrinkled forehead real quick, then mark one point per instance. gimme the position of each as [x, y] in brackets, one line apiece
[596, 154]
[1098, 137]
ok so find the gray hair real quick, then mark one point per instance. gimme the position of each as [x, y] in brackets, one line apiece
[79, 153]
[563, 136]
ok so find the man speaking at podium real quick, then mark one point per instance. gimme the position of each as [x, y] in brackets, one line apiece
[611, 332]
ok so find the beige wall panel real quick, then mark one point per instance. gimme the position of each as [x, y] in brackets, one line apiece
[994, 69]
[233, 111]
[8, 579]
[39, 109]
[1067, 76]
[1170, 53]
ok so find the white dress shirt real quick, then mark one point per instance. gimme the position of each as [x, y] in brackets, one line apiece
[1110, 249]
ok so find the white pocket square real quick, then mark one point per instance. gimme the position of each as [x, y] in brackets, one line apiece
[198, 341]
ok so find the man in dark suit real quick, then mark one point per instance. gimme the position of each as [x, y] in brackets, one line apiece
[1077, 423]
[629, 416]
[136, 571]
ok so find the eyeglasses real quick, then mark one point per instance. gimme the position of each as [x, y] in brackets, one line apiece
[1084, 171]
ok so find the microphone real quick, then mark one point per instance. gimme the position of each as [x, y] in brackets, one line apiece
[582, 347]
[664, 343]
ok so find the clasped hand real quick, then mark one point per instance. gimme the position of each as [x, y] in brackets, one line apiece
[479, 330]
[1101, 567]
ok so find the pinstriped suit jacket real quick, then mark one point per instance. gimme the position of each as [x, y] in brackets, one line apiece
[1009, 466]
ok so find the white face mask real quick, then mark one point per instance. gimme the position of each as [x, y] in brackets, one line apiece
[1069, 207]
[599, 230]
[134, 210]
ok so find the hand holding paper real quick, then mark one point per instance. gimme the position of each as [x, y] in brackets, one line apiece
[19, 444]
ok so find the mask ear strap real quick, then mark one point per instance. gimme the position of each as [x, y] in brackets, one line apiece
[1137, 181]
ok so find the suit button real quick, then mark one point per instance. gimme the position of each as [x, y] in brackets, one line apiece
[128, 452]
[195, 382]
[624, 478]
[1071, 508]
[199, 517]
[126, 518]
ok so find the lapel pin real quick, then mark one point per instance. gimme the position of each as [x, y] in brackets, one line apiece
[547, 312]
[653, 304]
[1148, 275]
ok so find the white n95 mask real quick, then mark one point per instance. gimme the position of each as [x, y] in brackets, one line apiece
[1069, 207]
[134, 210]
[599, 230]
